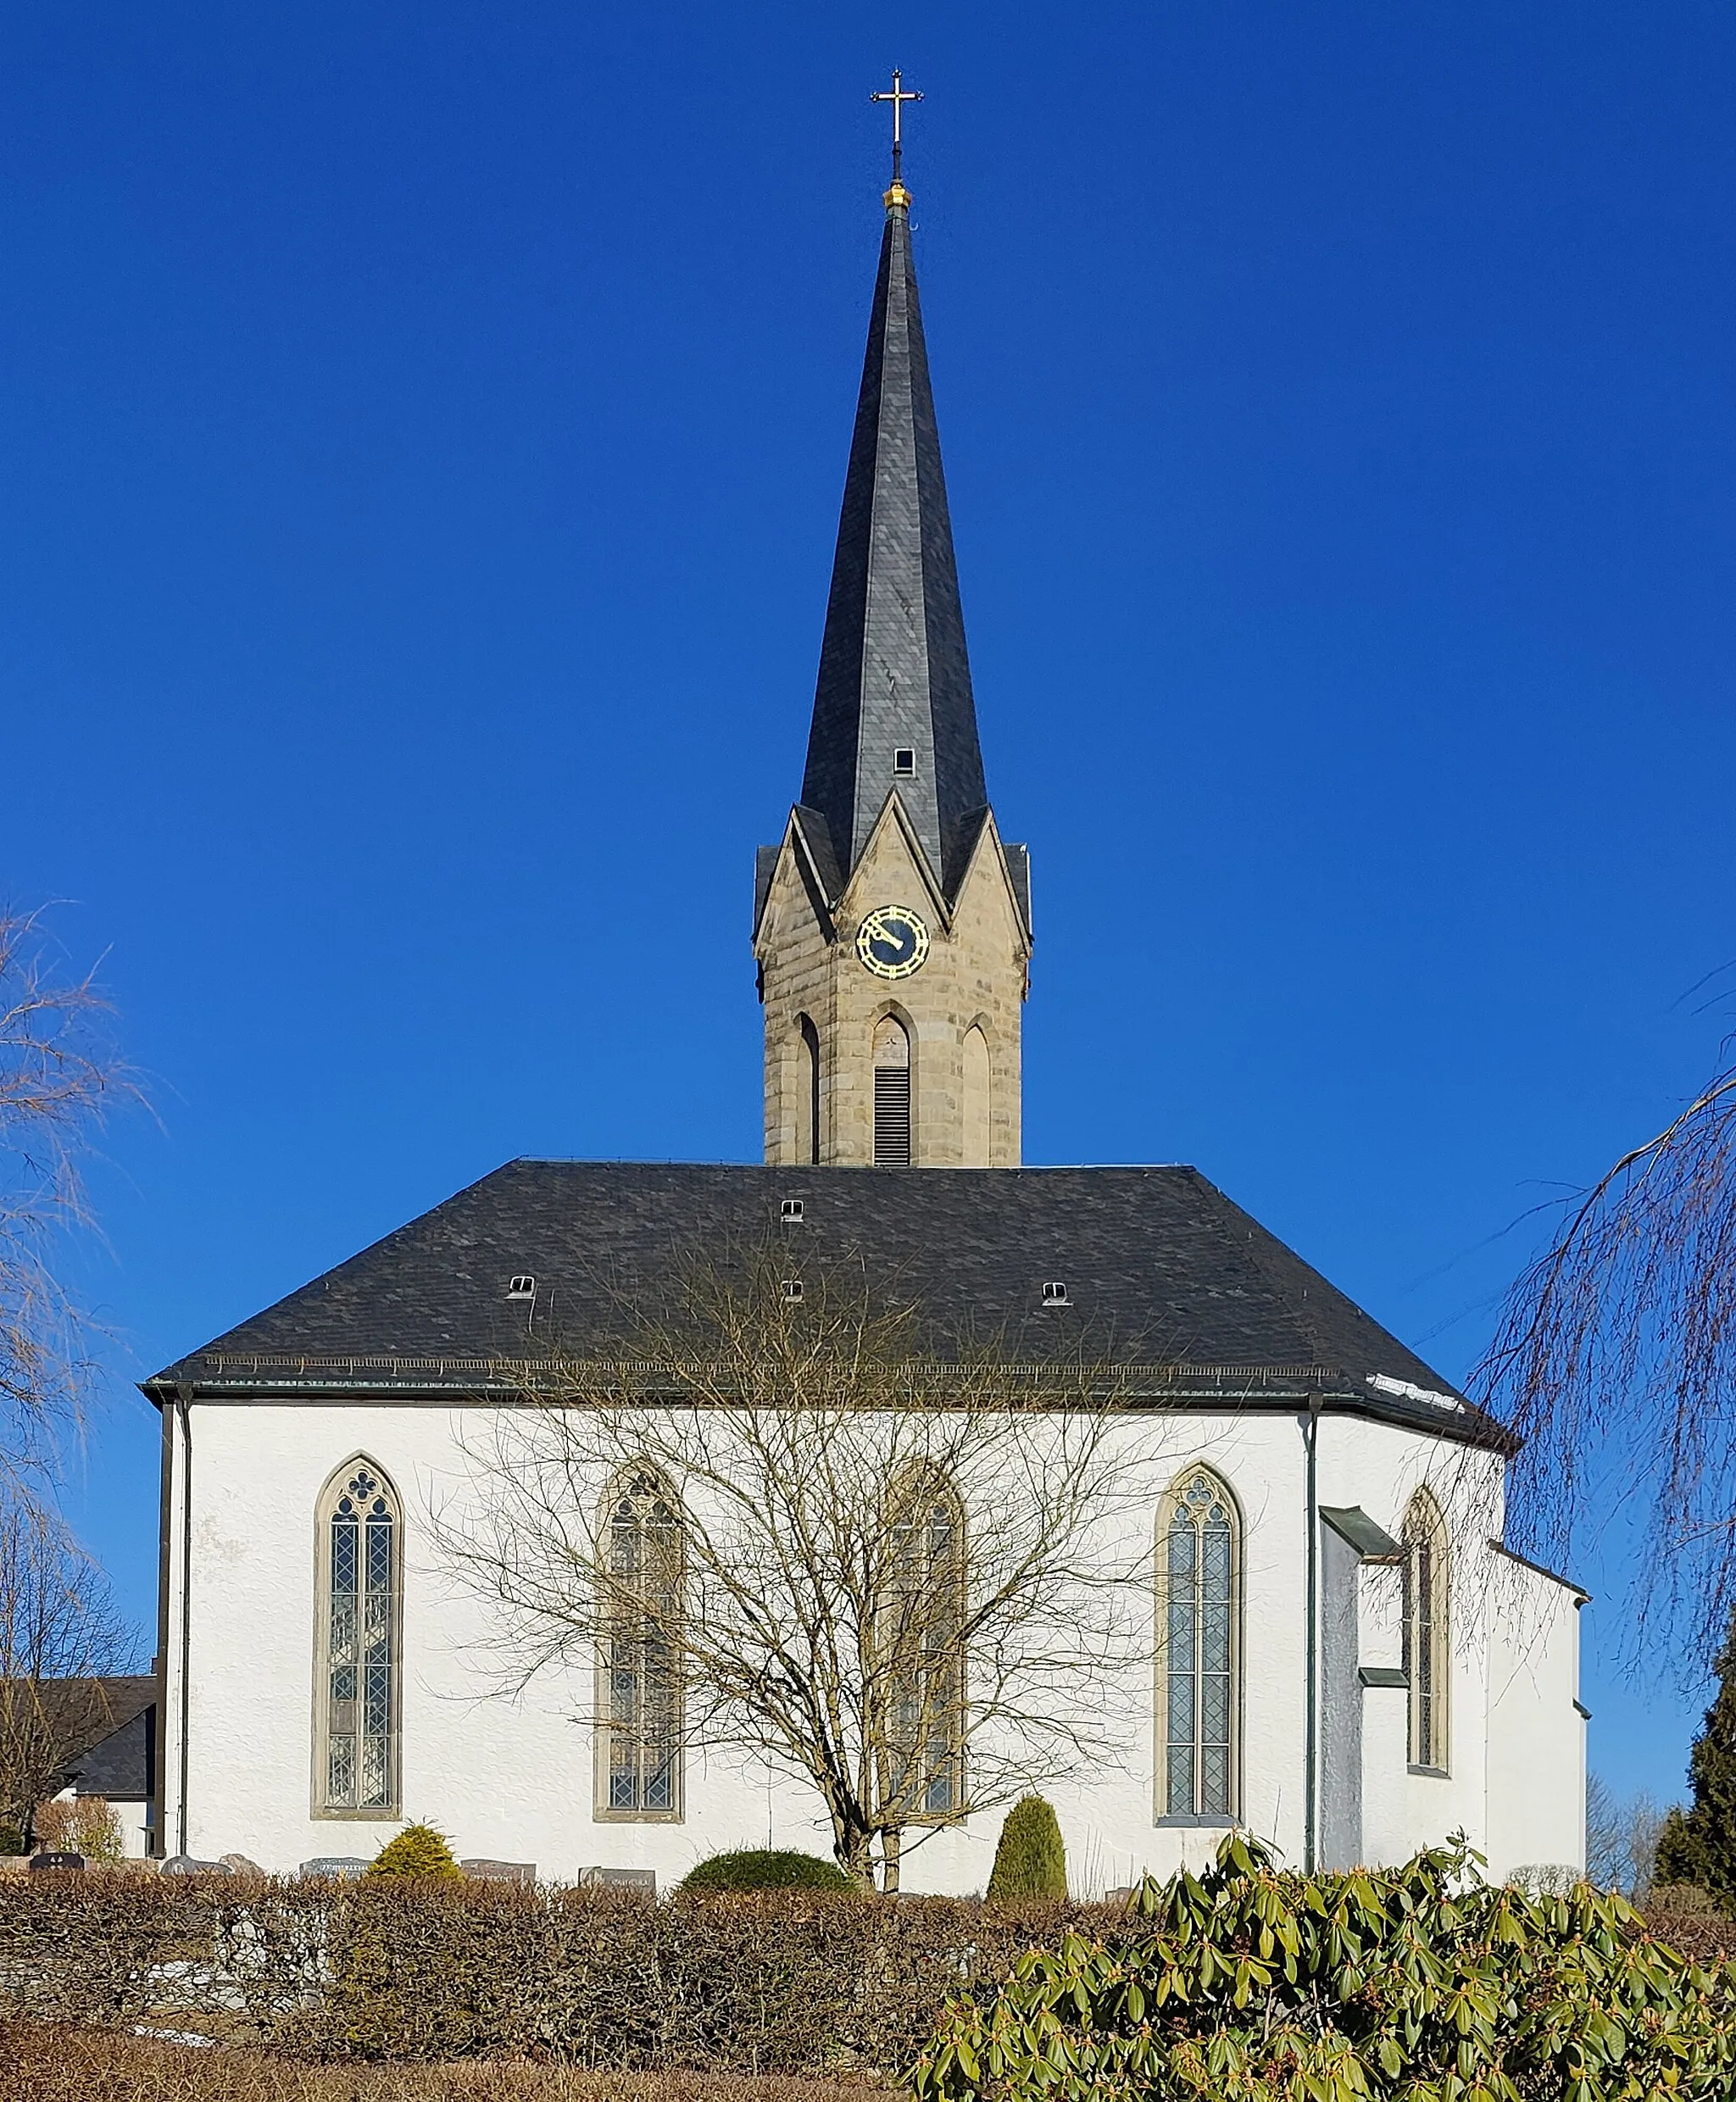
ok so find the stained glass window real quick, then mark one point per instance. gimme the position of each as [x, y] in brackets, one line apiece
[1428, 1645]
[1199, 1571]
[922, 1642]
[641, 1691]
[358, 1668]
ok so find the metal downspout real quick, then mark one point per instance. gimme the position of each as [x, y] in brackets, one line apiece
[183, 1395]
[1310, 1440]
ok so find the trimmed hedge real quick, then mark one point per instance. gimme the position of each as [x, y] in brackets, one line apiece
[1030, 1861]
[417, 1850]
[794, 1983]
[765, 1868]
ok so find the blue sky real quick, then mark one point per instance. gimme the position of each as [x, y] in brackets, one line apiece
[423, 433]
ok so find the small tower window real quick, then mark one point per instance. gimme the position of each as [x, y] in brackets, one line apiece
[892, 1094]
[904, 759]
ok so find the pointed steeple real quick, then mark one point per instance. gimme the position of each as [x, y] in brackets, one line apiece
[892, 708]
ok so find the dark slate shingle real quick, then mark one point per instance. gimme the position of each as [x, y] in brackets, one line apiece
[1162, 1272]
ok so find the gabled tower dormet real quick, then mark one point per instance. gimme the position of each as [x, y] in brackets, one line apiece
[893, 925]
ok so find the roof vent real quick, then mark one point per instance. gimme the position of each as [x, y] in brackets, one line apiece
[791, 1211]
[523, 1287]
[904, 759]
[1055, 1294]
[793, 1288]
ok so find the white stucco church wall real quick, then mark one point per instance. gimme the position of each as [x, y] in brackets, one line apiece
[511, 1775]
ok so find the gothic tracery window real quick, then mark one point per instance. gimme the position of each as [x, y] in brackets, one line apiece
[642, 1563]
[1199, 1590]
[923, 1643]
[361, 1547]
[1427, 1633]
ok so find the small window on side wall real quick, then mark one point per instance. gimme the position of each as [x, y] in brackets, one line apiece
[1428, 1648]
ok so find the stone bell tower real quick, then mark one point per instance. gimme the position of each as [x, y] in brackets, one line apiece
[892, 924]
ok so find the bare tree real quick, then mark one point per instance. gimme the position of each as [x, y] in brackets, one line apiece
[791, 1526]
[1615, 1361]
[60, 1636]
[60, 1076]
[1622, 1837]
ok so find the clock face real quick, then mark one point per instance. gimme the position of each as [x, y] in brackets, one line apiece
[893, 941]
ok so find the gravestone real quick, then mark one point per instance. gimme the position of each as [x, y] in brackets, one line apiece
[187, 1865]
[239, 1865]
[342, 1866]
[488, 1871]
[643, 1879]
[41, 1862]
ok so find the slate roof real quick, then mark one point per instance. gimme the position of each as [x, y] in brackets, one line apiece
[104, 1722]
[121, 1766]
[893, 670]
[1164, 1277]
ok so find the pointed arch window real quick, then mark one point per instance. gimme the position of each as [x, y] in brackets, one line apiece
[1428, 1650]
[358, 1693]
[892, 1094]
[1199, 1616]
[641, 1576]
[976, 1102]
[923, 1643]
[807, 1143]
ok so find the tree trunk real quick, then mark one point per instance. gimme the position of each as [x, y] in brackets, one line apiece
[891, 1848]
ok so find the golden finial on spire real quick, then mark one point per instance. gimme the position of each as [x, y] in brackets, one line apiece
[898, 96]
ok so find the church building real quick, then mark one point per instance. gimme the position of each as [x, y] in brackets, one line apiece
[1339, 1653]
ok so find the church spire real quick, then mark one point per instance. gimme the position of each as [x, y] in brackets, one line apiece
[892, 708]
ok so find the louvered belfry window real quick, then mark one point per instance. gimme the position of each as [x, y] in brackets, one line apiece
[1199, 1573]
[359, 1760]
[892, 1094]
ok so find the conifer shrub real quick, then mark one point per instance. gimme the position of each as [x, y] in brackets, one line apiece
[1030, 1861]
[765, 1868]
[1415, 1984]
[417, 1850]
[1698, 1845]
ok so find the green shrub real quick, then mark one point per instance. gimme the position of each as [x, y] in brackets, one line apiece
[417, 1850]
[765, 1868]
[1414, 1984]
[1030, 1861]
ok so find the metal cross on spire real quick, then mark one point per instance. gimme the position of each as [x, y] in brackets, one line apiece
[898, 96]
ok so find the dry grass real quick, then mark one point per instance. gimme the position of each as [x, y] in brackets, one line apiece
[44, 2063]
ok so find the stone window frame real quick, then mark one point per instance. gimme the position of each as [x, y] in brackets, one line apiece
[1170, 1502]
[894, 1011]
[336, 1485]
[979, 1025]
[605, 1810]
[1429, 1652]
[931, 1485]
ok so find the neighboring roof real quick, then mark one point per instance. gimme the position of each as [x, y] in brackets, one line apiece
[1164, 1275]
[121, 1764]
[1372, 1542]
[893, 670]
[87, 1713]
